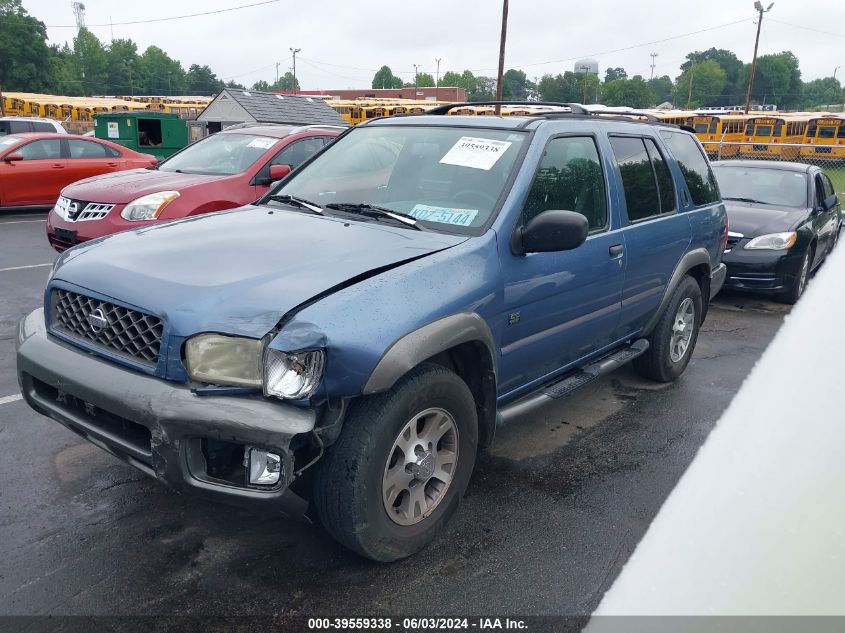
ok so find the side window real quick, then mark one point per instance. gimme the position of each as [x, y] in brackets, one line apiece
[41, 126]
[694, 166]
[638, 178]
[820, 192]
[42, 150]
[664, 177]
[89, 149]
[828, 186]
[297, 153]
[569, 178]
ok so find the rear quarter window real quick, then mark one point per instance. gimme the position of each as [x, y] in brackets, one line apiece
[694, 166]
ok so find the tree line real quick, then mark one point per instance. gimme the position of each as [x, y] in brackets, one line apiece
[715, 77]
[90, 67]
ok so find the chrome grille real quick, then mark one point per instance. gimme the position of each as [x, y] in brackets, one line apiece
[127, 332]
[81, 211]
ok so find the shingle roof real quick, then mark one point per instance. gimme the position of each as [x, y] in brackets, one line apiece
[269, 107]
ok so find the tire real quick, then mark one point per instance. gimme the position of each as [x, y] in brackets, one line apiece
[350, 488]
[662, 362]
[792, 295]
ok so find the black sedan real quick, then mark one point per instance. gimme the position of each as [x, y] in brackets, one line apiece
[784, 220]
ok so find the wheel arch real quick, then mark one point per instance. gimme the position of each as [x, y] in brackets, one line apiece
[695, 263]
[461, 342]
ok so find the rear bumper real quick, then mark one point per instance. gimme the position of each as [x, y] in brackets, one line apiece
[717, 279]
[155, 425]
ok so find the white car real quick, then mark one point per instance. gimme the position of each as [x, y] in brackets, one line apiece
[19, 124]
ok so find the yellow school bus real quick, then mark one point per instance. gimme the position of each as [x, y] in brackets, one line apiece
[673, 117]
[761, 133]
[824, 138]
[718, 133]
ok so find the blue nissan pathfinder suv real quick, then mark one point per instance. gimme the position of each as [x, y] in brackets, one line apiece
[354, 336]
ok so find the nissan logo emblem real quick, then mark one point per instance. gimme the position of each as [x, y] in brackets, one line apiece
[97, 320]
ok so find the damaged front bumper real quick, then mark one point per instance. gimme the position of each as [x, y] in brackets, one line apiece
[161, 427]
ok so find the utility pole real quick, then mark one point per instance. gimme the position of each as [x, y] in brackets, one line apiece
[691, 79]
[834, 71]
[437, 80]
[416, 79]
[277, 73]
[294, 51]
[653, 55]
[500, 78]
[760, 11]
[2, 104]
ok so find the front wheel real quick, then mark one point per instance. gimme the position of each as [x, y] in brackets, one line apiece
[673, 339]
[400, 466]
[799, 284]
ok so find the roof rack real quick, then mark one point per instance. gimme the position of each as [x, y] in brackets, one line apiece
[574, 108]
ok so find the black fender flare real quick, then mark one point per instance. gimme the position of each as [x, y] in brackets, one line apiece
[690, 260]
[438, 336]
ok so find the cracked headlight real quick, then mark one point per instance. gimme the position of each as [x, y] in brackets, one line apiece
[292, 376]
[224, 360]
[773, 242]
[148, 207]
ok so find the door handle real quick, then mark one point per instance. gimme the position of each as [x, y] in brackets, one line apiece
[616, 250]
[111, 164]
[57, 166]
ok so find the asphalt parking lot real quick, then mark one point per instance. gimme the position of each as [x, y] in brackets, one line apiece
[552, 514]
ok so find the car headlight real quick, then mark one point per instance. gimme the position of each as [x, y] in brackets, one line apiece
[773, 242]
[148, 207]
[292, 376]
[224, 360]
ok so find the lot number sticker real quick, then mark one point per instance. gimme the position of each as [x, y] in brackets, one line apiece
[262, 143]
[113, 132]
[478, 153]
[444, 215]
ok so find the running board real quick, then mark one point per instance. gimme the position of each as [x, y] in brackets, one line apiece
[570, 382]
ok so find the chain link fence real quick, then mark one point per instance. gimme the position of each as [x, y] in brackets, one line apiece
[831, 158]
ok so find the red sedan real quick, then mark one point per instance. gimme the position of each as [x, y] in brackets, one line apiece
[35, 166]
[227, 170]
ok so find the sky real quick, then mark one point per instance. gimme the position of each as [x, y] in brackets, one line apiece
[343, 42]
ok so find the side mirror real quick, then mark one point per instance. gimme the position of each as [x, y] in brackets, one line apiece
[13, 157]
[550, 232]
[277, 172]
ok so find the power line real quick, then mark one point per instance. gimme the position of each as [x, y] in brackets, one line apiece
[807, 28]
[176, 17]
[624, 48]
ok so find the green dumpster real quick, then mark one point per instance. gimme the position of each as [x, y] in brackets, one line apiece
[158, 133]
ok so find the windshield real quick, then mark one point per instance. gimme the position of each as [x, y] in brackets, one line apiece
[220, 155]
[447, 178]
[767, 186]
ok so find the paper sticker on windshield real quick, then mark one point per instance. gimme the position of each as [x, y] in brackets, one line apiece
[444, 215]
[262, 143]
[478, 153]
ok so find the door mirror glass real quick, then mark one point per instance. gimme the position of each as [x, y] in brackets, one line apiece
[551, 231]
[14, 156]
[277, 172]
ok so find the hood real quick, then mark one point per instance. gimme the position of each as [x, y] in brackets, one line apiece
[125, 186]
[239, 271]
[759, 219]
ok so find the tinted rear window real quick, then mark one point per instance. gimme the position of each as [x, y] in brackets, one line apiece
[694, 166]
[638, 181]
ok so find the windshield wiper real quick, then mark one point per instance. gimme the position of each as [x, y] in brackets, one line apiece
[297, 202]
[749, 200]
[375, 212]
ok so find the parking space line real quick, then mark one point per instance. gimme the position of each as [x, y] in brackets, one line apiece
[3, 270]
[23, 221]
[8, 399]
